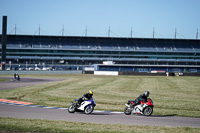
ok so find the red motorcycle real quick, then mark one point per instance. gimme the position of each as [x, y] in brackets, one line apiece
[144, 108]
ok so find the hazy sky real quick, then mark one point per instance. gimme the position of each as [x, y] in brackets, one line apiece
[98, 15]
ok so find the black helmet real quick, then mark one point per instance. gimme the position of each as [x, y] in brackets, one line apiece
[146, 93]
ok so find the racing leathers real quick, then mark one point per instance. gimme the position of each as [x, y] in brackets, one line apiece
[142, 97]
[87, 96]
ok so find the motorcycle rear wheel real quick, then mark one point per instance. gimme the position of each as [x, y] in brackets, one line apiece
[148, 111]
[127, 111]
[71, 109]
[89, 109]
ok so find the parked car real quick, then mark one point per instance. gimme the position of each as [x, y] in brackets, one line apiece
[49, 68]
[37, 69]
[30, 68]
[8, 69]
[22, 68]
[44, 69]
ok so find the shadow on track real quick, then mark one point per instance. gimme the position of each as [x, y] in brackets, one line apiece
[93, 113]
[100, 113]
[170, 115]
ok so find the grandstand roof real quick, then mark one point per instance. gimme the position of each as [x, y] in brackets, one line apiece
[105, 41]
[143, 65]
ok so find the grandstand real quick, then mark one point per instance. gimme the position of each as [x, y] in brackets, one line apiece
[134, 54]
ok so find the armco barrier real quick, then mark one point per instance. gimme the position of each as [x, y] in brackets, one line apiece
[157, 74]
[106, 73]
[142, 74]
[41, 72]
[191, 74]
[92, 72]
[88, 72]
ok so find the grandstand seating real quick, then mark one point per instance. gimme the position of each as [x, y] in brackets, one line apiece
[37, 46]
[30, 57]
[106, 47]
[93, 49]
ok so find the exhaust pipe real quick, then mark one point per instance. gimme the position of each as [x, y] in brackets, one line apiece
[127, 105]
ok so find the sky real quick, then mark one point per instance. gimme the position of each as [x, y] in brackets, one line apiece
[124, 18]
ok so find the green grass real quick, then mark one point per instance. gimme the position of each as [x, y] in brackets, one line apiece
[177, 96]
[171, 95]
[31, 125]
[1, 80]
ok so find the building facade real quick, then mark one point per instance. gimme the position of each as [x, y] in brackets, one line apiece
[75, 51]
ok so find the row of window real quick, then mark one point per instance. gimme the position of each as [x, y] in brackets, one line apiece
[102, 52]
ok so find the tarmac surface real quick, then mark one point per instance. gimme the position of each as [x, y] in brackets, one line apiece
[40, 112]
[24, 81]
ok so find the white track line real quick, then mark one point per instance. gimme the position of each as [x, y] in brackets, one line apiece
[46, 107]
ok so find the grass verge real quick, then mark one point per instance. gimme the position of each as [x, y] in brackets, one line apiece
[31, 125]
[2, 80]
[171, 95]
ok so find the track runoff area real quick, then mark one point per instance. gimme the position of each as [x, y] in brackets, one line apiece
[18, 109]
[29, 104]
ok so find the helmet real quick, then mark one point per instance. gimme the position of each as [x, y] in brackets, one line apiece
[146, 93]
[90, 92]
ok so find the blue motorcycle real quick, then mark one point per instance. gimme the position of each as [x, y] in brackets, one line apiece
[87, 106]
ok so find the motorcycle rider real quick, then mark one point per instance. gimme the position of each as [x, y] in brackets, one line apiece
[142, 97]
[87, 96]
[16, 76]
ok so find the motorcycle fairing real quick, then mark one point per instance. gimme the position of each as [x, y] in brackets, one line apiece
[84, 104]
[139, 108]
[130, 101]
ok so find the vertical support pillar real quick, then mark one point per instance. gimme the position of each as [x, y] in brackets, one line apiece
[3, 43]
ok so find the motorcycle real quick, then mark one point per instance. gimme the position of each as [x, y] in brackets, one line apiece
[87, 106]
[144, 108]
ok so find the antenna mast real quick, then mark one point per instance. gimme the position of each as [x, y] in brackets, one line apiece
[15, 29]
[39, 29]
[197, 35]
[131, 32]
[153, 32]
[109, 32]
[86, 31]
[175, 33]
[63, 31]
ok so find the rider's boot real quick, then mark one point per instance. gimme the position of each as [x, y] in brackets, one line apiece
[132, 106]
[77, 104]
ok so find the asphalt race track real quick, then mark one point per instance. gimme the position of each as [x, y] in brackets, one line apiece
[12, 83]
[35, 112]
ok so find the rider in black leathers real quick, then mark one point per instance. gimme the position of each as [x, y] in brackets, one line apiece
[16, 76]
[88, 96]
[142, 97]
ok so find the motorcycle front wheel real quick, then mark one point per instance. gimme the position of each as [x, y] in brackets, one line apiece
[71, 109]
[89, 109]
[148, 111]
[127, 111]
